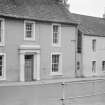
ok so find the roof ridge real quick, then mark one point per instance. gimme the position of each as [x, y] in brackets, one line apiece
[87, 15]
[91, 25]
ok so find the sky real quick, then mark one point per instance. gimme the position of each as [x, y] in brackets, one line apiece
[88, 7]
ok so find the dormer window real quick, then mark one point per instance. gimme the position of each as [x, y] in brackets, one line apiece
[29, 30]
[56, 39]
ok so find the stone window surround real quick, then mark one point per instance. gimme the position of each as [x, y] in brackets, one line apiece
[59, 29]
[2, 43]
[33, 34]
[60, 66]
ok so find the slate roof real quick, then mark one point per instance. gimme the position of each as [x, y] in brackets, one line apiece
[91, 25]
[42, 10]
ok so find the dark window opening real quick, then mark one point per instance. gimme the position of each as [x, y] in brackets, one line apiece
[79, 42]
[94, 45]
[55, 63]
[93, 66]
[103, 66]
[1, 65]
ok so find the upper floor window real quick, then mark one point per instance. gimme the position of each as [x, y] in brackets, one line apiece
[2, 32]
[2, 66]
[56, 35]
[79, 42]
[103, 65]
[56, 64]
[93, 66]
[94, 45]
[29, 30]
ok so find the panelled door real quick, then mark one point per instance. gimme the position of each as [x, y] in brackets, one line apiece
[29, 67]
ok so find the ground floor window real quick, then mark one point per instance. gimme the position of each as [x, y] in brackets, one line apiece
[93, 66]
[56, 63]
[2, 66]
[103, 65]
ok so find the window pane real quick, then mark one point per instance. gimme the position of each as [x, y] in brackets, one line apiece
[94, 44]
[1, 65]
[29, 34]
[55, 38]
[0, 32]
[0, 70]
[93, 66]
[0, 60]
[55, 68]
[57, 58]
[79, 42]
[29, 29]
[53, 58]
[103, 66]
[55, 28]
[29, 26]
[55, 34]
[55, 63]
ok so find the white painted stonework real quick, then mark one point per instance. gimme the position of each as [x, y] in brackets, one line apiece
[35, 50]
[88, 55]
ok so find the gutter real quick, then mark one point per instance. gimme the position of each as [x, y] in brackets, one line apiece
[89, 34]
[38, 20]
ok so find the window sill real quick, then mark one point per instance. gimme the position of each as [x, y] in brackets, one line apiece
[56, 45]
[2, 44]
[2, 78]
[30, 39]
[56, 74]
[94, 74]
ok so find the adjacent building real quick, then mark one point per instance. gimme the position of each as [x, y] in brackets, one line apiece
[90, 46]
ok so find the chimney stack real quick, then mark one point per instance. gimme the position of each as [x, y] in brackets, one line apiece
[64, 2]
[59, 1]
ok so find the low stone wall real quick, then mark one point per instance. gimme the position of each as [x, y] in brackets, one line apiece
[71, 92]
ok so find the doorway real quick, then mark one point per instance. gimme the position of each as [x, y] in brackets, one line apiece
[29, 67]
[29, 62]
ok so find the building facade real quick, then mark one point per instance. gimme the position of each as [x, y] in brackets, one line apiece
[38, 40]
[43, 49]
[93, 57]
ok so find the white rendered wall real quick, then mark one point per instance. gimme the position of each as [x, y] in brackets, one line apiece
[89, 55]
